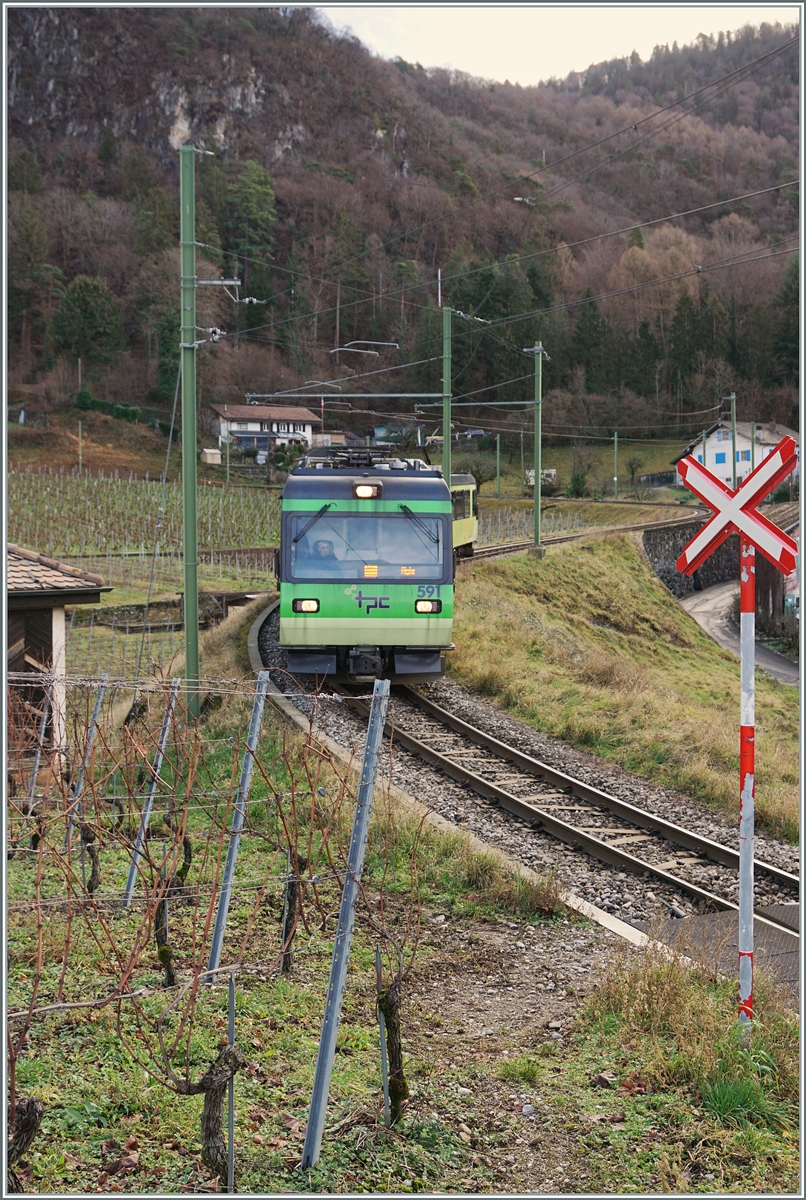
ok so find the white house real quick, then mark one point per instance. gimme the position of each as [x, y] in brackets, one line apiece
[720, 451]
[264, 426]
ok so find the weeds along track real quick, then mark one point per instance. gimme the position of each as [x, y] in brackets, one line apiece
[619, 855]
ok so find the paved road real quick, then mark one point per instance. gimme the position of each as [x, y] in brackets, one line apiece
[711, 607]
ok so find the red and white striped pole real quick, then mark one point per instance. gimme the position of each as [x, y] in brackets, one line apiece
[747, 778]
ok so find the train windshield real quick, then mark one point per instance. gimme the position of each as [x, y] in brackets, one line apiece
[405, 546]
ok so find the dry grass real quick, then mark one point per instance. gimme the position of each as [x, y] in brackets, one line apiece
[590, 647]
[685, 1017]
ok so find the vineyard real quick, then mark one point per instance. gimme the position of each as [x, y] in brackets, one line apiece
[67, 513]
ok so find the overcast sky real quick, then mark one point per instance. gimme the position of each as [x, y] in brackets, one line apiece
[529, 43]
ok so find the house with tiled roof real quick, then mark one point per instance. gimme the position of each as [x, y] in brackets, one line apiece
[264, 426]
[37, 590]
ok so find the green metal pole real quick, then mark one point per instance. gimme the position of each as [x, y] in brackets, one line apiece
[79, 447]
[187, 200]
[615, 465]
[703, 449]
[228, 456]
[498, 464]
[446, 395]
[733, 435]
[523, 477]
[752, 445]
[538, 353]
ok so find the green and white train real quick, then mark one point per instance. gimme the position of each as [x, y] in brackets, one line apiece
[366, 564]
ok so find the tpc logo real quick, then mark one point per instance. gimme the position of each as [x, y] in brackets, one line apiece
[370, 602]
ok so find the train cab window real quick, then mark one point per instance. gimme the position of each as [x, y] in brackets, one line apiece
[372, 546]
[461, 505]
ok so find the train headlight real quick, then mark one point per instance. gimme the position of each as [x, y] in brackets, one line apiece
[366, 491]
[304, 606]
[428, 606]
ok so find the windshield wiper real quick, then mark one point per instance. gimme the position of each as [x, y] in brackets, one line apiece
[419, 521]
[310, 524]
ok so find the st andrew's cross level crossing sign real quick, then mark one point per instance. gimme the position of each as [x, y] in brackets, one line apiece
[735, 512]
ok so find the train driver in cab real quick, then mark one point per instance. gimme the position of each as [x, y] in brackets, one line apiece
[323, 551]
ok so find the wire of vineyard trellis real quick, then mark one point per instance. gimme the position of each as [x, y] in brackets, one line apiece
[152, 987]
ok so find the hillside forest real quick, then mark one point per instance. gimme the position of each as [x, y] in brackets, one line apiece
[639, 219]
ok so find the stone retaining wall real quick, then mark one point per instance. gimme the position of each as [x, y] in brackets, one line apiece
[663, 547]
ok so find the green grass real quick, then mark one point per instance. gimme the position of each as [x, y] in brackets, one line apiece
[590, 647]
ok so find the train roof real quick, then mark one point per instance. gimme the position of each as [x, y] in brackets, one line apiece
[334, 472]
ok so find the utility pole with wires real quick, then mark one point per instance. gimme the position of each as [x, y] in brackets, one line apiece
[187, 345]
[190, 547]
[538, 550]
[733, 435]
[446, 395]
[338, 315]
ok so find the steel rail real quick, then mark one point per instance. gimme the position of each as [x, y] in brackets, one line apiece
[628, 812]
[536, 816]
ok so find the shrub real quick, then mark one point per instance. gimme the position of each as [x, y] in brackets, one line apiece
[84, 399]
[782, 495]
[577, 485]
[126, 412]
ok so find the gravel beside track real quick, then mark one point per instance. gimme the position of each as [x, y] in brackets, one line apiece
[627, 896]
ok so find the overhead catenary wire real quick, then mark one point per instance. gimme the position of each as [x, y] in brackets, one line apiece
[516, 260]
[758, 253]
[722, 264]
[735, 76]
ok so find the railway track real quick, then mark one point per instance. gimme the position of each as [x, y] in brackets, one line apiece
[555, 539]
[567, 808]
[628, 840]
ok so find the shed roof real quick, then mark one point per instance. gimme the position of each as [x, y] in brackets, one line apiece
[31, 574]
[264, 412]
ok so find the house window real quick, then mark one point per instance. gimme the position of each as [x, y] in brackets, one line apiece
[265, 426]
[283, 427]
[743, 456]
[240, 424]
[720, 458]
[298, 428]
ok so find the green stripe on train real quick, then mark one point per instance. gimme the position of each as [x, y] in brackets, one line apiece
[366, 506]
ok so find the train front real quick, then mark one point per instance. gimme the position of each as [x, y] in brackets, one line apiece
[366, 570]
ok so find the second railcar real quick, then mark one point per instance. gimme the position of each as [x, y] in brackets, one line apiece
[465, 511]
